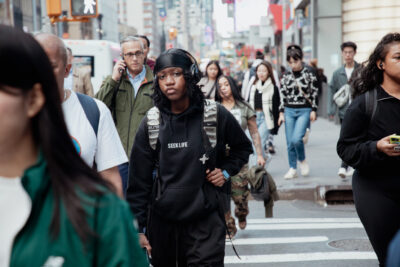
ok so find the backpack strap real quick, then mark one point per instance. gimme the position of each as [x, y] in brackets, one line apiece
[153, 126]
[210, 121]
[371, 103]
[91, 110]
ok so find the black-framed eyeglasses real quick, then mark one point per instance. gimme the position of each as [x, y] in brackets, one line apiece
[131, 55]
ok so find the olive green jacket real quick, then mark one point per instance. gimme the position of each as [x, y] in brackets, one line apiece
[109, 217]
[130, 110]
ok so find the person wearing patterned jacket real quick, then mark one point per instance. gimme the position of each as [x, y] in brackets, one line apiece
[298, 107]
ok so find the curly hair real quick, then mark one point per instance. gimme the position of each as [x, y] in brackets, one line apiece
[372, 76]
[193, 91]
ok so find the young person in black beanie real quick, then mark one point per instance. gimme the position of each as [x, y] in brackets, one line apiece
[195, 145]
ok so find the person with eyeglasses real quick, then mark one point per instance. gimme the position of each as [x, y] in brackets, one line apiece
[127, 93]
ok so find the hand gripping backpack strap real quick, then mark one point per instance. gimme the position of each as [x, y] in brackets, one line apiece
[91, 110]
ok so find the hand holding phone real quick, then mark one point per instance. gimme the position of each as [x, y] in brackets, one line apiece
[390, 145]
[118, 70]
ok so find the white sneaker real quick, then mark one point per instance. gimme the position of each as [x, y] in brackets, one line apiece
[350, 171]
[306, 136]
[290, 174]
[304, 168]
[342, 172]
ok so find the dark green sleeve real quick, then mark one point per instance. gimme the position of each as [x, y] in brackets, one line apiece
[118, 242]
[106, 91]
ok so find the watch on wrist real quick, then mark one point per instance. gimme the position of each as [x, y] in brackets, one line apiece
[226, 175]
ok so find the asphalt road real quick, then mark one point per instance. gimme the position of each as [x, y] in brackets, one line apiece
[302, 233]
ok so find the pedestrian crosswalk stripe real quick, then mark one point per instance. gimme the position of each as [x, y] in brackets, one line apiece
[305, 220]
[298, 226]
[277, 240]
[297, 257]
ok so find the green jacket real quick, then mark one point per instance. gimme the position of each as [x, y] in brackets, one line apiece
[116, 245]
[339, 78]
[130, 110]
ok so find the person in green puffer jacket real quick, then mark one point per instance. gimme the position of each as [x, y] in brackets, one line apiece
[56, 210]
[127, 94]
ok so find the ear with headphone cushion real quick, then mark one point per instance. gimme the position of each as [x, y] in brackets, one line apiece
[194, 68]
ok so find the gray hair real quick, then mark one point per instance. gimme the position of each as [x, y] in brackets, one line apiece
[132, 39]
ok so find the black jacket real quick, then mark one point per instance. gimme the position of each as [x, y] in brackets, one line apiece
[359, 136]
[182, 174]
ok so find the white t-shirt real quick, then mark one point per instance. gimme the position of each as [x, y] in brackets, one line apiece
[107, 148]
[349, 71]
[15, 207]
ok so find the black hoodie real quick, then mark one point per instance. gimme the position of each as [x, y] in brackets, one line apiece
[182, 173]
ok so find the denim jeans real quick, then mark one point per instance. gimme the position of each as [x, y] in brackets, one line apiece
[296, 123]
[262, 130]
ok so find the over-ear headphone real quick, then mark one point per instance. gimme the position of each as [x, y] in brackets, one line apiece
[194, 68]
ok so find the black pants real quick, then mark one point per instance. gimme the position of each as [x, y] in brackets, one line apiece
[343, 165]
[378, 206]
[199, 243]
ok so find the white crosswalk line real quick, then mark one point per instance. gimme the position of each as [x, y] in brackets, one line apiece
[303, 226]
[304, 220]
[277, 240]
[303, 257]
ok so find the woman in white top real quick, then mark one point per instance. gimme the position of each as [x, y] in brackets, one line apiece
[208, 83]
[264, 99]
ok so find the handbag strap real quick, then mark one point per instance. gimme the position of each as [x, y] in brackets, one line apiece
[302, 92]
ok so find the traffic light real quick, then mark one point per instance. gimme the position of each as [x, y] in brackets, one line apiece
[53, 8]
[83, 8]
[172, 33]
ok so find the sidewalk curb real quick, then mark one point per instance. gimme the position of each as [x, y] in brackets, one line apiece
[314, 192]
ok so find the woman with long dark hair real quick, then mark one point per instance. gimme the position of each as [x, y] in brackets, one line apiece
[364, 144]
[297, 108]
[228, 95]
[208, 83]
[57, 210]
[264, 98]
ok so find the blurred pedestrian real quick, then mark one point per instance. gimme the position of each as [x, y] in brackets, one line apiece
[340, 79]
[250, 76]
[298, 107]
[79, 78]
[127, 94]
[265, 99]
[88, 120]
[184, 137]
[56, 211]
[146, 49]
[228, 95]
[208, 83]
[364, 144]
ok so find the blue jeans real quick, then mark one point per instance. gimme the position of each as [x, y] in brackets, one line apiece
[296, 123]
[124, 172]
[262, 130]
